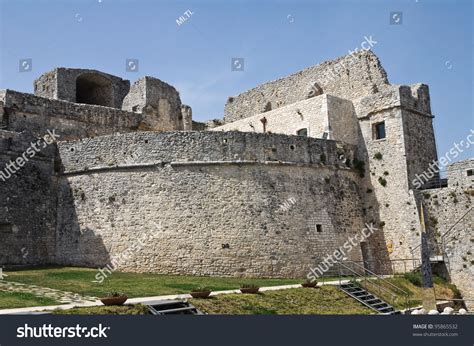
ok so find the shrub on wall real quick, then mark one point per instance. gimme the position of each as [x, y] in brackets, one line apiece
[359, 167]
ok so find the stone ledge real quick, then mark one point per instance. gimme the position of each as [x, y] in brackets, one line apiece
[121, 167]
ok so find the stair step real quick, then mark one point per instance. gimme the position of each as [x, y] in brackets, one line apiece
[388, 308]
[367, 299]
[365, 296]
[168, 307]
[177, 310]
[358, 291]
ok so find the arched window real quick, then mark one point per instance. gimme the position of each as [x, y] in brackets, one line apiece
[94, 89]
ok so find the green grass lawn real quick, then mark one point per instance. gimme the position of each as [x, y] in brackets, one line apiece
[411, 283]
[80, 280]
[326, 300]
[323, 300]
[9, 300]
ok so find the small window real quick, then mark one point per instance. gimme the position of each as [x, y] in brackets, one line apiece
[302, 132]
[470, 172]
[6, 228]
[379, 130]
[319, 228]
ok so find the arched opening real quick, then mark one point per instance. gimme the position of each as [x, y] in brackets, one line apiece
[94, 89]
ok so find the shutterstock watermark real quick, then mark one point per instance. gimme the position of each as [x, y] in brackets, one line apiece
[340, 253]
[142, 239]
[348, 60]
[48, 331]
[451, 154]
[286, 205]
[13, 167]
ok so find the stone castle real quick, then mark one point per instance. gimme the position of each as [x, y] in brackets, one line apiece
[131, 170]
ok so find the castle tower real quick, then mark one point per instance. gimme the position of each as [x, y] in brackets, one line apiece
[397, 140]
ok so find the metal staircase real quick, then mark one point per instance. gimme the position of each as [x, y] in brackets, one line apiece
[368, 299]
[358, 288]
[172, 307]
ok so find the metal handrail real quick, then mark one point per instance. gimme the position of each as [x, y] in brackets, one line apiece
[454, 225]
[379, 277]
[373, 283]
[363, 277]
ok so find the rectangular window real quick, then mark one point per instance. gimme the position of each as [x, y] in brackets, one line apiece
[302, 132]
[6, 228]
[470, 172]
[379, 130]
[319, 228]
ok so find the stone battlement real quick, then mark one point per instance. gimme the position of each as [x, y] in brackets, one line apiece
[349, 77]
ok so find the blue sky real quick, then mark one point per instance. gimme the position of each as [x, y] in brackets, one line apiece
[432, 45]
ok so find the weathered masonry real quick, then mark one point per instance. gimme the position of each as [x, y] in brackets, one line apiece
[132, 173]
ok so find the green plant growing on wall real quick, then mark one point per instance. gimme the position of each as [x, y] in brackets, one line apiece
[382, 181]
[434, 221]
[359, 167]
[378, 155]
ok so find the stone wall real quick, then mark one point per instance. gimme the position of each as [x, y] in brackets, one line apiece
[28, 203]
[207, 203]
[159, 103]
[349, 77]
[92, 86]
[461, 174]
[392, 162]
[317, 115]
[418, 132]
[26, 112]
[451, 218]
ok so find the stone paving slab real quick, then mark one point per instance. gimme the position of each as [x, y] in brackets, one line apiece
[45, 292]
